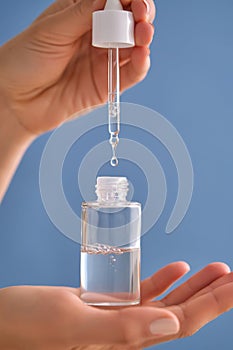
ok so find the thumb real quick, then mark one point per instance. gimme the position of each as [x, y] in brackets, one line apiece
[73, 21]
[127, 326]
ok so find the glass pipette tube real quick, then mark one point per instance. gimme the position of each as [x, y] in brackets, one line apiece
[113, 101]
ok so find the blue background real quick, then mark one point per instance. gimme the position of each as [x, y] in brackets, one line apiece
[191, 84]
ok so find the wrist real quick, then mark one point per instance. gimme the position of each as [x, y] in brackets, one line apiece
[14, 141]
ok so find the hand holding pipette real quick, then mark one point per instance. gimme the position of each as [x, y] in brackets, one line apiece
[51, 72]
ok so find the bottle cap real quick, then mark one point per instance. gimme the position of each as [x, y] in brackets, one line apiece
[113, 27]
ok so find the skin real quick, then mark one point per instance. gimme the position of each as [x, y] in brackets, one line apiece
[55, 317]
[49, 73]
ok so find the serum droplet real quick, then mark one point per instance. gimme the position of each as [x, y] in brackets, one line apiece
[114, 161]
[114, 140]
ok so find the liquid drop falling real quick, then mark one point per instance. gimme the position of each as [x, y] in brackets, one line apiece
[114, 140]
[114, 161]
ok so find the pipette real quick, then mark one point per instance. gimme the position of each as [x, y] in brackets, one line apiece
[113, 101]
[113, 28]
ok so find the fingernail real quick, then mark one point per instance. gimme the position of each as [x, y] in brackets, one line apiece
[164, 326]
[147, 7]
[147, 64]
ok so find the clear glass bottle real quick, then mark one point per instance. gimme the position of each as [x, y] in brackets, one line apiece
[110, 251]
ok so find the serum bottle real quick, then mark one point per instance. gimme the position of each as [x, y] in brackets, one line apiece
[110, 251]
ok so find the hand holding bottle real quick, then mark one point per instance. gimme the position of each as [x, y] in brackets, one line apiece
[55, 318]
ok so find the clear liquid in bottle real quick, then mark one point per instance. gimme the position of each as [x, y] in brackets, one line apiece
[115, 278]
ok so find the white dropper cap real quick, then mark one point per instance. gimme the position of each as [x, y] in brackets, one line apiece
[113, 27]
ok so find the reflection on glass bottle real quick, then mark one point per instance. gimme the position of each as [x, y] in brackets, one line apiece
[110, 252]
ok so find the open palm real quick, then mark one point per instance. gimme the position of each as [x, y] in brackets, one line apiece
[55, 318]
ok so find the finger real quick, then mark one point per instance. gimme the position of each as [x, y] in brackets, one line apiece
[196, 313]
[143, 10]
[126, 326]
[228, 278]
[125, 55]
[143, 37]
[143, 33]
[136, 69]
[199, 281]
[162, 280]
[73, 21]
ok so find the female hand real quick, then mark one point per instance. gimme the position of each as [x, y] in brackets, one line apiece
[55, 318]
[51, 71]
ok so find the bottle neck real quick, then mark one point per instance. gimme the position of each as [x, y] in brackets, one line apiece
[111, 189]
[111, 196]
